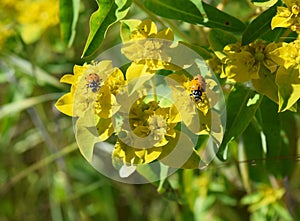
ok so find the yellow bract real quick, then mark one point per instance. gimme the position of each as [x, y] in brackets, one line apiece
[144, 45]
[288, 17]
[244, 63]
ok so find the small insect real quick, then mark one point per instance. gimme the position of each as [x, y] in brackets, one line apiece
[93, 82]
[197, 85]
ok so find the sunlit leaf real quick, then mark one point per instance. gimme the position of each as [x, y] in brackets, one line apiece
[264, 3]
[107, 14]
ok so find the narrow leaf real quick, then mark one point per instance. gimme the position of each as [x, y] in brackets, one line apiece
[107, 14]
[264, 3]
[189, 12]
[270, 122]
[253, 148]
[68, 14]
[23, 104]
[241, 107]
[259, 26]
[218, 39]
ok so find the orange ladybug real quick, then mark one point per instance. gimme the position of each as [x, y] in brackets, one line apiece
[197, 85]
[93, 82]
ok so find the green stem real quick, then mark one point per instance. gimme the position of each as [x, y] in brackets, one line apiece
[154, 88]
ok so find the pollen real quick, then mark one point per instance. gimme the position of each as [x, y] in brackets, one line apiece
[157, 126]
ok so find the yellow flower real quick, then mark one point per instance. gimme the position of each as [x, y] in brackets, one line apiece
[36, 16]
[196, 114]
[244, 63]
[81, 96]
[289, 55]
[145, 131]
[264, 197]
[144, 45]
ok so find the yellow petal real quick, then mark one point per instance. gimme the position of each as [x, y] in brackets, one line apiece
[79, 70]
[65, 104]
[167, 34]
[147, 28]
[105, 128]
[288, 82]
[152, 154]
[136, 76]
[283, 22]
[67, 78]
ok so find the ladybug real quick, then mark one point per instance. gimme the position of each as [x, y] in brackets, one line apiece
[197, 85]
[93, 82]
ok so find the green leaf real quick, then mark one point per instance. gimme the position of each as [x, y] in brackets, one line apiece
[148, 172]
[270, 122]
[241, 107]
[264, 3]
[288, 82]
[108, 13]
[289, 131]
[282, 211]
[68, 14]
[218, 39]
[253, 148]
[162, 178]
[222, 20]
[203, 52]
[189, 12]
[259, 26]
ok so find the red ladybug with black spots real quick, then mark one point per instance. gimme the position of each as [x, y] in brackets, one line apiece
[93, 82]
[197, 85]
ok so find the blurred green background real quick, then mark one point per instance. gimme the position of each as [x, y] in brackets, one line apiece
[43, 175]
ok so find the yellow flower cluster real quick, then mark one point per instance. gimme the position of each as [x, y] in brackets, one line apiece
[145, 124]
[273, 68]
[243, 63]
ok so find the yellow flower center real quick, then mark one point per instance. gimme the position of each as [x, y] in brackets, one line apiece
[152, 49]
[157, 126]
[259, 56]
